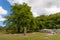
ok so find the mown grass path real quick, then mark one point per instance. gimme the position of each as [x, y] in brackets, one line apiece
[29, 36]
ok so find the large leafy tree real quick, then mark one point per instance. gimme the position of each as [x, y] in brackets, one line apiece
[20, 16]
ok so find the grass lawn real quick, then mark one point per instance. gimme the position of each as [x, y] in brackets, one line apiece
[30, 36]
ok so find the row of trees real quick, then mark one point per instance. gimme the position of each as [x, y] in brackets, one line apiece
[22, 20]
[49, 21]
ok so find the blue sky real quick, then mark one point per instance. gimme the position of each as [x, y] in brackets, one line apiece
[38, 7]
[6, 6]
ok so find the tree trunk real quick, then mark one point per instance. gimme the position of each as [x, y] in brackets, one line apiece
[25, 31]
[18, 30]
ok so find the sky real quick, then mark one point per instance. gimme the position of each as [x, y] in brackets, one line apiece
[4, 10]
[38, 7]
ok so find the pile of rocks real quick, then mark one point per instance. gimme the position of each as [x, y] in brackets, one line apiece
[57, 30]
[53, 31]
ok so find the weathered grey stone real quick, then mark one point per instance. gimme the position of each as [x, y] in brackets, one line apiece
[47, 30]
[57, 30]
[53, 31]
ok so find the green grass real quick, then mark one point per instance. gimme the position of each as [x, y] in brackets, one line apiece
[29, 36]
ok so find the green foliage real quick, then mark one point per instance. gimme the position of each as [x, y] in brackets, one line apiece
[21, 17]
[11, 29]
[48, 21]
[1, 28]
[41, 21]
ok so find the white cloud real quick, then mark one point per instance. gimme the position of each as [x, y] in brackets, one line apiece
[41, 6]
[2, 19]
[16, 1]
[2, 11]
[52, 10]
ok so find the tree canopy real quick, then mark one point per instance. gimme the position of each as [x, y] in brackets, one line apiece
[22, 20]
